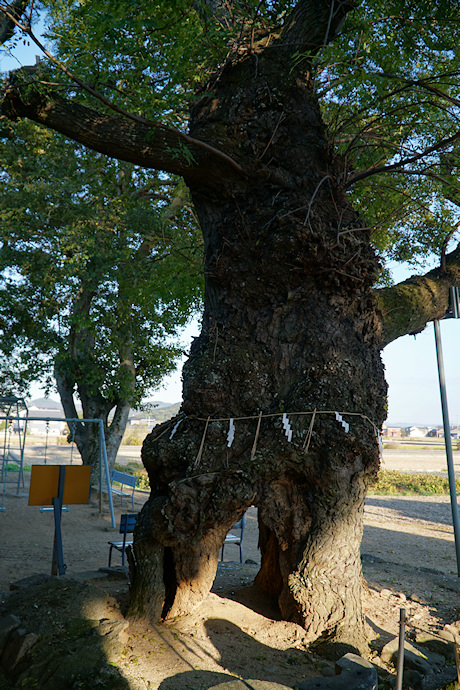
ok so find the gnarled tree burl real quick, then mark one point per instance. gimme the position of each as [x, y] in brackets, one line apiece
[291, 324]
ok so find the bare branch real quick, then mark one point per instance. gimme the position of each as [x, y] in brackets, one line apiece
[10, 14]
[426, 85]
[400, 165]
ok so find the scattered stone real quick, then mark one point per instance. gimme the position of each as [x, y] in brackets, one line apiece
[422, 661]
[412, 680]
[327, 669]
[352, 671]
[437, 645]
[87, 576]
[7, 625]
[453, 631]
[385, 593]
[19, 643]
[253, 684]
[120, 572]
[30, 581]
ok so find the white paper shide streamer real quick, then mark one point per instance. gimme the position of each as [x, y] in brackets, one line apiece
[345, 424]
[287, 427]
[231, 433]
[175, 428]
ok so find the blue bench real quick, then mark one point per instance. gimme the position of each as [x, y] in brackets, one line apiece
[127, 525]
[124, 480]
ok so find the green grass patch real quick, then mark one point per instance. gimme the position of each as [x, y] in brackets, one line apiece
[11, 467]
[135, 435]
[135, 470]
[388, 483]
[392, 482]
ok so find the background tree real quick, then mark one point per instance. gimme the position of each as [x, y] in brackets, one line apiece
[99, 269]
[295, 111]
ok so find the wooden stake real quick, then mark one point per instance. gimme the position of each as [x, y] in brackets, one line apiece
[306, 445]
[254, 445]
[200, 452]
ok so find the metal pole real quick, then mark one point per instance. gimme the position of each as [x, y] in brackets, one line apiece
[400, 664]
[57, 565]
[448, 442]
[100, 467]
[106, 467]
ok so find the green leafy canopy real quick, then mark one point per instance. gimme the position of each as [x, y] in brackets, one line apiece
[390, 89]
[93, 274]
[388, 86]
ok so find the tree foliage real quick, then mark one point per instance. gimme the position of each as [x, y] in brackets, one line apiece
[388, 86]
[99, 265]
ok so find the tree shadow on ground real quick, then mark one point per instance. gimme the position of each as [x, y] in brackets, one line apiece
[241, 656]
[433, 552]
[75, 645]
[419, 510]
[245, 592]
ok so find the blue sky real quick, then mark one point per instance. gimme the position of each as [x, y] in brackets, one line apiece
[412, 375]
[412, 372]
[410, 363]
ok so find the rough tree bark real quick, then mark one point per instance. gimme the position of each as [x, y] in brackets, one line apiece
[94, 406]
[291, 325]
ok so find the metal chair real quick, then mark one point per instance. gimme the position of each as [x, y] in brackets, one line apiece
[235, 539]
[127, 525]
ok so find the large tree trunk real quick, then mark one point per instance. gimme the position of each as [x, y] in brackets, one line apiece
[289, 326]
[87, 436]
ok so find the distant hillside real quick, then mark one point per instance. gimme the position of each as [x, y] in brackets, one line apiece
[160, 411]
[158, 405]
[161, 415]
[44, 404]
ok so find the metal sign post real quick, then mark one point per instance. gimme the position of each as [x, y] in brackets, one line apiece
[55, 485]
[454, 313]
[57, 565]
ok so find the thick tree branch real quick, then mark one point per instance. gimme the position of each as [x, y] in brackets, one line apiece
[314, 23]
[406, 308]
[141, 143]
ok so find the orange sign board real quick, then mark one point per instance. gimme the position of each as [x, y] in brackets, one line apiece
[44, 484]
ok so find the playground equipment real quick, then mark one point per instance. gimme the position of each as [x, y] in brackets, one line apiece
[13, 418]
[104, 475]
[13, 407]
